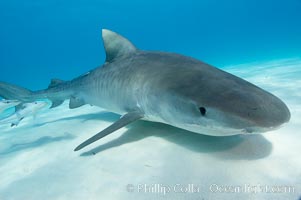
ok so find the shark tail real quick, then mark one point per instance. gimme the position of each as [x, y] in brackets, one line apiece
[13, 92]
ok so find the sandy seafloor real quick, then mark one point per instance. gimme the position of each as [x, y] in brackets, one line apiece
[37, 160]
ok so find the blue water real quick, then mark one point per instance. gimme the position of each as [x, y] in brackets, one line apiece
[40, 40]
[259, 41]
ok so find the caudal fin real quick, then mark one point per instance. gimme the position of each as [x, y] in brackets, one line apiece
[13, 92]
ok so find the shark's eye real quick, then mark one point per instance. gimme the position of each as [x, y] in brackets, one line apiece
[202, 110]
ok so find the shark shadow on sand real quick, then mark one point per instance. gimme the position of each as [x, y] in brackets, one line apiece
[105, 116]
[238, 147]
[34, 144]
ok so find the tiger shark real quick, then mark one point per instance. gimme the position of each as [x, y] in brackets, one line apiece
[163, 87]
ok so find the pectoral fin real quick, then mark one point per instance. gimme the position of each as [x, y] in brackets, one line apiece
[123, 121]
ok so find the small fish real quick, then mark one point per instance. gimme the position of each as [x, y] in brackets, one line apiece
[6, 104]
[27, 109]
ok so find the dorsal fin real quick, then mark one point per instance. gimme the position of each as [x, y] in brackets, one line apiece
[116, 45]
[54, 82]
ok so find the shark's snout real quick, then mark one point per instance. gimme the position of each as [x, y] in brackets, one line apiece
[270, 114]
[246, 107]
[260, 111]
